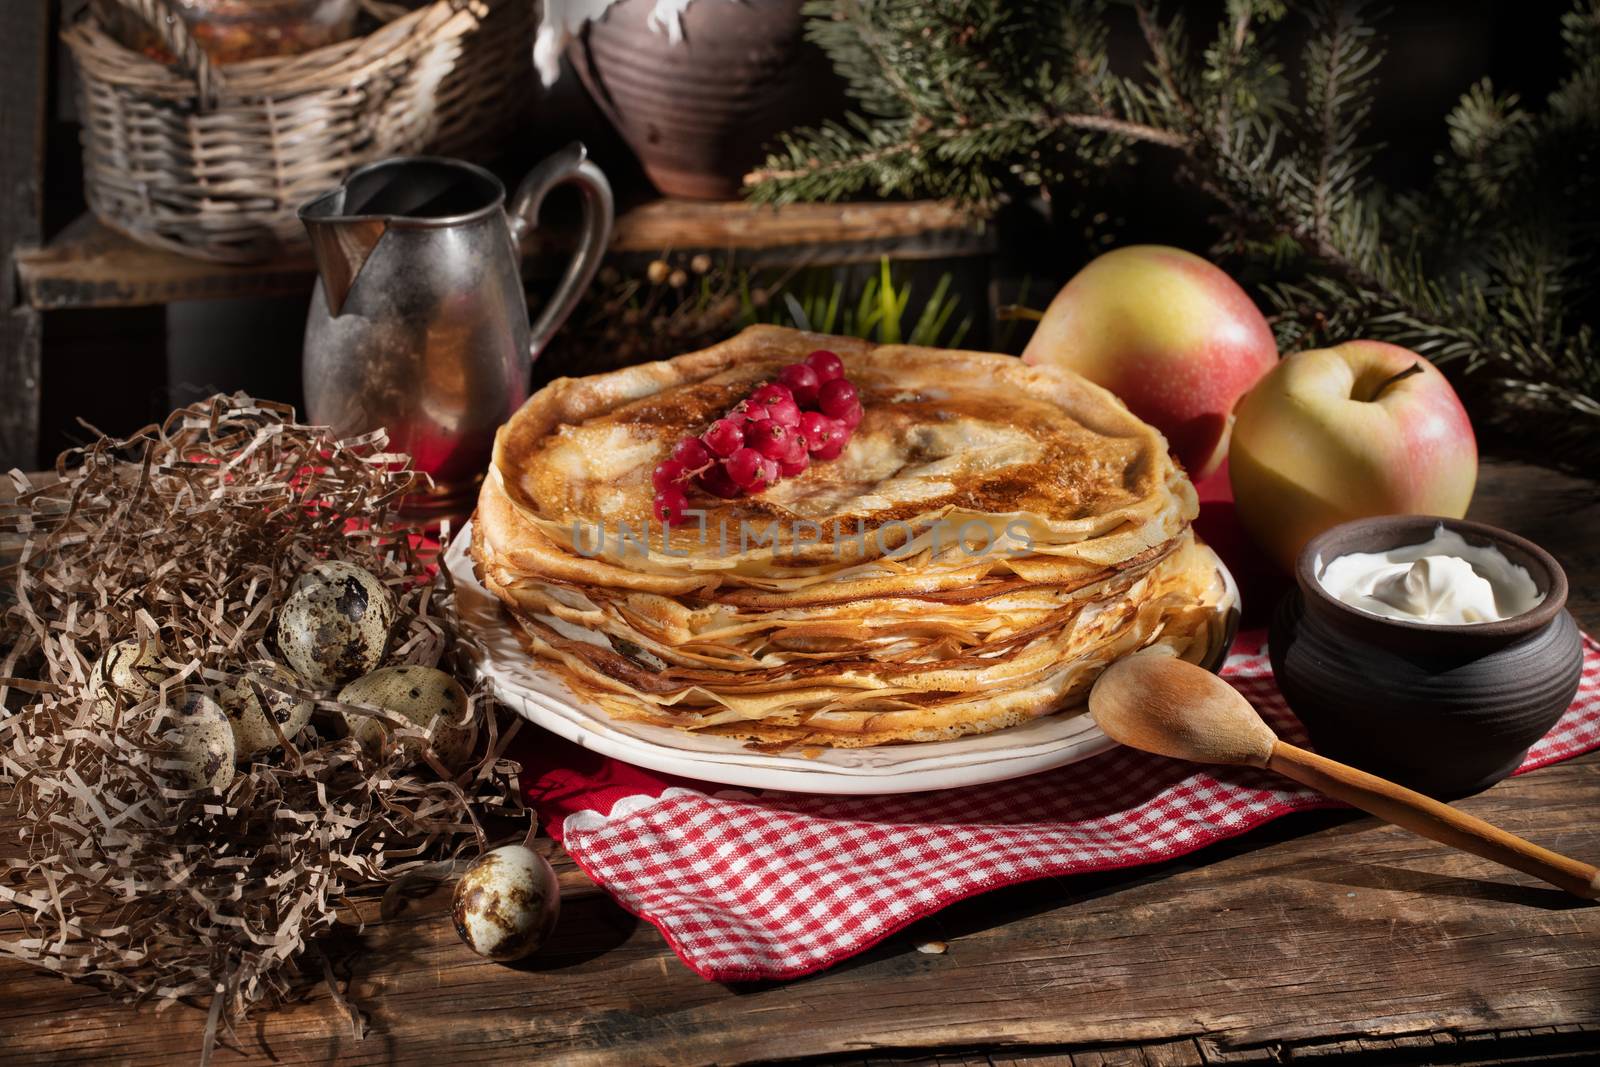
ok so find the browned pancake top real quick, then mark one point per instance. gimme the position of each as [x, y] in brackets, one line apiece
[942, 429]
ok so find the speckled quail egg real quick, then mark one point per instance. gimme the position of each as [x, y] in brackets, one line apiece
[507, 903]
[335, 624]
[130, 669]
[201, 740]
[426, 696]
[247, 714]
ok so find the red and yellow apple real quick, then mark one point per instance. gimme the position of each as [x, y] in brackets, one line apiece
[1363, 428]
[1170, 334]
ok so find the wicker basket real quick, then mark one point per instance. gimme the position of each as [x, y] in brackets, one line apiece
[214, 162]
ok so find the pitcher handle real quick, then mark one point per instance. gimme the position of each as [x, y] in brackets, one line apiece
[571, 164]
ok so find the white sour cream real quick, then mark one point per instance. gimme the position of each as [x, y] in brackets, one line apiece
[1442, 580]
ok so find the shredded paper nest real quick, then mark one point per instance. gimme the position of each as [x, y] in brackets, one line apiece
[191, 533]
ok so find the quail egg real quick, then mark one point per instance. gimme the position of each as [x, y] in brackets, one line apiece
[247, 713]
[335, 624]
[507, 903]
[426, 696]
[201, 740]
[129, 670]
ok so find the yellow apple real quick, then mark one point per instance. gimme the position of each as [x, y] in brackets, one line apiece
[1363, 428]
[1170, 334]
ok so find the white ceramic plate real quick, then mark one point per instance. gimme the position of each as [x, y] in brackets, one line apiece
[544, 699]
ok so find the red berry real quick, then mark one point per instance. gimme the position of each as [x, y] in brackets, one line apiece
[796, 468]
[670, 504]
[827, 365]
[813, 429]
[769, 438]
[744, 467]
[668, 473]
[802, 381]
[725, 437]
[794, 451]
[832, 449]
[691, 453]
[835, 398]
[820, 431]
[770, 393]
[769, 475]
[714, 479]
[785, 413]
[852, 418]
[774, 402]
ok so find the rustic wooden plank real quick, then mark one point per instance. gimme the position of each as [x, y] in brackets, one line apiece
[1536, 1045]
[830, 234]
[1222, 1056]
[1184, 1053]
[21, 342]
[704, 224]
[1320, 937]
[24, 27]
[1123, 1056]
[90, 265]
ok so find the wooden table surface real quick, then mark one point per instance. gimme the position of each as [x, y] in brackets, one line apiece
[1319, 938]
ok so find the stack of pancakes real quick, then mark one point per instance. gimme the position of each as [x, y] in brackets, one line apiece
[994, 535]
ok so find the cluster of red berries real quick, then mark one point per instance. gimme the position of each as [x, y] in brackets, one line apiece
[776, 432]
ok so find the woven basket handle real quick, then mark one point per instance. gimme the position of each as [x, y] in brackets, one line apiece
[160, 16]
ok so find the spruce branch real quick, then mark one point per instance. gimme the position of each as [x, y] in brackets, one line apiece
[1339, 69]
[914, 143]
[1490, 269]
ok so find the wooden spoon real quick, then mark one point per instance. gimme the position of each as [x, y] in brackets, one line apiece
[1164, 705]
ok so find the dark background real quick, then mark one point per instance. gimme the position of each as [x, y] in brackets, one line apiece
[119, 369]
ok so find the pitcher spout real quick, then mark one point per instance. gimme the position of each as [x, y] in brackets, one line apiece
[340, 245]
[405, 192]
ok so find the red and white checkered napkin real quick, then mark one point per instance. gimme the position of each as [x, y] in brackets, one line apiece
[776, 885]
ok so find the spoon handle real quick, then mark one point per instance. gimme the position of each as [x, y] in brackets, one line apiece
[1428, 817]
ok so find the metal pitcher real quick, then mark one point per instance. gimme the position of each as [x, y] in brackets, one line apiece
[418, 323]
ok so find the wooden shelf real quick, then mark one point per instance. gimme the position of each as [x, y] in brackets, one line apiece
[88, 265]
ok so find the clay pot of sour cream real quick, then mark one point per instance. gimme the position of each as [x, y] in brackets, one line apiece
[1447, 709]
